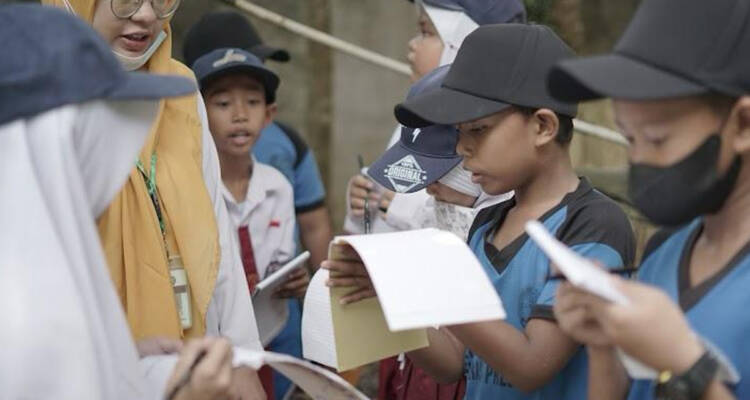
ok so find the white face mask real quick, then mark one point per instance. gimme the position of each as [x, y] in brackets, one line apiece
[134, 63]
[131, 63]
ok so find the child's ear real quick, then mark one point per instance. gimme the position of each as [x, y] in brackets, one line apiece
[741, 140]
[546, 124]
[270, 114]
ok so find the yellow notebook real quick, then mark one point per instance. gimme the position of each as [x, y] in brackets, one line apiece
[348, 336]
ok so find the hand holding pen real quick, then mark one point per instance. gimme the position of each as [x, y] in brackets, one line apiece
[366, 211]
[203, 371]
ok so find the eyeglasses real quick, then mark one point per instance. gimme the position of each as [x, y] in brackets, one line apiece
[127, 8]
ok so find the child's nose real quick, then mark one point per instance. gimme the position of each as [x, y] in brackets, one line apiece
[463, 147]
[413, 43]
[239, 113]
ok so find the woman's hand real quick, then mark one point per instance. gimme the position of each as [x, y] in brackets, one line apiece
[212, 375]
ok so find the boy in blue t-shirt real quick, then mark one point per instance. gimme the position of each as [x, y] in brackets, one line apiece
[514, 137]
[681, 99]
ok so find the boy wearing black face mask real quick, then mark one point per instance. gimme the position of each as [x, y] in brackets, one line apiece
[681, 99]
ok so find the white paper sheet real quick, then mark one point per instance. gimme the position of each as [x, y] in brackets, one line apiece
[317, 382]
[318, 341]
[577, 269]
[426, 278]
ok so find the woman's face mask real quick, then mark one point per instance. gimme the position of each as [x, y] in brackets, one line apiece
[134, 39]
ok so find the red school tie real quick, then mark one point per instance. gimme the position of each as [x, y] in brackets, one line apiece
[248, 258]
[251, 273]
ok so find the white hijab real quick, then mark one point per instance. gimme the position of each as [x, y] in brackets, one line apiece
[64, 334]
[452, 26]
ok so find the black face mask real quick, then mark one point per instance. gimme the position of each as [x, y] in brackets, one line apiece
[678, 193]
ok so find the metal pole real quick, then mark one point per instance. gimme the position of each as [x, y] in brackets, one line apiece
[321, 37]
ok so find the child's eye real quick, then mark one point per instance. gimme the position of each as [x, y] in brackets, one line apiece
[253, 102]
[477, 130]
[221, 103]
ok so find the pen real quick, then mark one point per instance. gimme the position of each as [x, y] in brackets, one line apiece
[560, 277]
[185, 379]
[367, 198]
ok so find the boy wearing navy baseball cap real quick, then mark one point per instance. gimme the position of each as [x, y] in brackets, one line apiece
[514, 136]
[680, 97]
[240, 94]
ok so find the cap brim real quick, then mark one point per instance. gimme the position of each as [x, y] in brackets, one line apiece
[433, 169]
[270, 53]
[269, 79]
[143, 86]
[616, 76]
[445, 106]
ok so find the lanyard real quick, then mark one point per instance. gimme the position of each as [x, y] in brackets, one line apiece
[150, 181]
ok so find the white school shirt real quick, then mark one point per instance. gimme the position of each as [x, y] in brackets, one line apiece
[230, 312]
[268, 212]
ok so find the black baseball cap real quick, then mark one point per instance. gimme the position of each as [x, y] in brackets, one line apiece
[422, 155]
[671, 48]
[223, 29]
[55, 59]
[485, 12]
[496, 67]
[220, 62]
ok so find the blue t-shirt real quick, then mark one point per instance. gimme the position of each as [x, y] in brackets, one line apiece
[589, 223]
[281, 147]
[715, 309]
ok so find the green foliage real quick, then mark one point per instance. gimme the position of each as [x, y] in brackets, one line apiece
[538, 11]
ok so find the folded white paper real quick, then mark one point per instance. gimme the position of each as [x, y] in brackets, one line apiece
[426, 278]
[423, 278]
[586, 275]
[577, 269]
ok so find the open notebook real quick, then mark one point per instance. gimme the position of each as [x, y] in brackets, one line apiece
[423, 278]
[317, 382]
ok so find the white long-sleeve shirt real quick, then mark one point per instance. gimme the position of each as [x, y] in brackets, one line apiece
[418, 210]
[268, 212]
[230, 312]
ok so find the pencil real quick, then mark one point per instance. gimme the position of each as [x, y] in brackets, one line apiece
[560, 277]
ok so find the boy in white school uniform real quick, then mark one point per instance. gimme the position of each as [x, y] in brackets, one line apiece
[240, 100]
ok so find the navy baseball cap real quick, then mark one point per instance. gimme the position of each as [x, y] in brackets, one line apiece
[55, 59]
[224, 61]
[671, 48]
[497, 66]
[485, 12]
[222, 29]
[422, 155]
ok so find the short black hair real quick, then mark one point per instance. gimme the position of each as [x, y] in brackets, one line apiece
[564, 130]
[208, 82]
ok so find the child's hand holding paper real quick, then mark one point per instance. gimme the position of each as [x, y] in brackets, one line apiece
[295, 285]
[347, 270]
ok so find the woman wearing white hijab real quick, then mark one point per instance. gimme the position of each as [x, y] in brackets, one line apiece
[71, 123]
